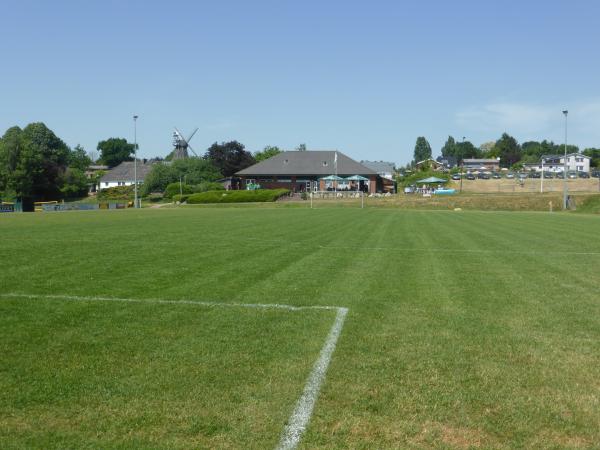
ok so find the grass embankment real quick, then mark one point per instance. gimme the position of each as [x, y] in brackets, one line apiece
[256, 196]
[529, 185]
[589, 205]
[474, 202]
[465, 330]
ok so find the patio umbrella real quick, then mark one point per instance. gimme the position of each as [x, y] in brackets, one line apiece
[332, 178]
[431, 180]
[358, 178]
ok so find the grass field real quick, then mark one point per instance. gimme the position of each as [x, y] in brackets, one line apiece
[464, 330]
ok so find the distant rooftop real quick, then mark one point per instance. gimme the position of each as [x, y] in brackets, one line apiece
[125, 172]
[379, 166]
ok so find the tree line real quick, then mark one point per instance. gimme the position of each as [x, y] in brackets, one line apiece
[36, 165]
[507, 148]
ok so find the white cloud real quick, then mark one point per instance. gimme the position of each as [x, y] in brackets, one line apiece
[517, 118]
[534, 121]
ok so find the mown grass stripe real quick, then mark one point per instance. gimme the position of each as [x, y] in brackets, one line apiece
[300, 417]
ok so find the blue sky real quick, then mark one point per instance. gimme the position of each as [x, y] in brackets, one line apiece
[366, 78]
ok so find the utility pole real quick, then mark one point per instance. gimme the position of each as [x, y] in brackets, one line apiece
[565, 190]
[135, 187]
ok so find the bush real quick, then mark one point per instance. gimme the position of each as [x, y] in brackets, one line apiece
[411, 179]
[259, 195]
[116, 193]
[175, 188]
[156, 197]
[208, 186]
[181, 198]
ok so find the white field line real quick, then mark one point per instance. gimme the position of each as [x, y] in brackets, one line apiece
[298, 421]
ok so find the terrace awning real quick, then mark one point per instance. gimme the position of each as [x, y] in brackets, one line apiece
[332, 178]
[431, 180]
[357, 178]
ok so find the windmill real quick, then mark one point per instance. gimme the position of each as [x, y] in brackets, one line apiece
[182, 144]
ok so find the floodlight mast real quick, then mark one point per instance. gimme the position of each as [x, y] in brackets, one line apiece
[135, 187]
[565, 190]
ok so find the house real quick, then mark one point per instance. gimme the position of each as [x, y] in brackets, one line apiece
[384, 169]
[449, 162]
[477, 164]
[431, 164]
[124, 174]
[302, 171]
[576, 162]
[92, 172]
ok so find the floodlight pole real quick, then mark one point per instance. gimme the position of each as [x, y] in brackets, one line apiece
[542, 182]
[565, 190]
[135, 192]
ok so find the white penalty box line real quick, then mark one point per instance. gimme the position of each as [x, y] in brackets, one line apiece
[303, 409]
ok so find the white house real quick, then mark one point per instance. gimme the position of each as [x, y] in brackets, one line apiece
[576, 162]
[124, 174]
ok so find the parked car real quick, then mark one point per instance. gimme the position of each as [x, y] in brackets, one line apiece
[470, 176]
[596, 174]
[456, 176]
[535, 175]
[496, 176]
[483, 176]
[572, 175]
[510, 175]
[548, 175]
[583, 174]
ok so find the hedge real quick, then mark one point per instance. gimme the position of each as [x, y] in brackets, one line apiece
[259, 195]
[116, 193]
[175, 188]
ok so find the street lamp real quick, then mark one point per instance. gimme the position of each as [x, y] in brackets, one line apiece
[462, 165]
[566, 113]
[135, 187]
[542, 182]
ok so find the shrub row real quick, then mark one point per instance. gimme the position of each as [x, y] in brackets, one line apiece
[260, 195]
[116, 193]
[175, 189]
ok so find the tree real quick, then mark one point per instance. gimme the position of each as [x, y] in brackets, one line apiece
[466, 149]
[488, 149]
[268, 152]
[79, 159]
[190, 170]
[229, 157]
[422, 149]
[594, 154]
[114, 151]
[33, 162]
[449, 148]
[15, 161]
[74, 183]
[508, 150]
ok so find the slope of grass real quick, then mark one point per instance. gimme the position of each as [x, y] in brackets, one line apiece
[465, 330]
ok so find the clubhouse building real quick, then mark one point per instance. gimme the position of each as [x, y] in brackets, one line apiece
[311, 171]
